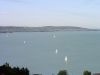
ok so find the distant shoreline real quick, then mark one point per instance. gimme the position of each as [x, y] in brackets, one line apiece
[11, 29]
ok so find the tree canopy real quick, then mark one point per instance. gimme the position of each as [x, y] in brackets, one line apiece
[62, 72]
[7, 70]
[86, 72]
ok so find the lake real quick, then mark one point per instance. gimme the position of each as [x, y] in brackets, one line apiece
[36, 51]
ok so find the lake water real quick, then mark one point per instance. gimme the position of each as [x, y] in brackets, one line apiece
[37, 53]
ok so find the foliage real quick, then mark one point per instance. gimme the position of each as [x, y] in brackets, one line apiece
[62, 72]
[7, 70]
[86, 72]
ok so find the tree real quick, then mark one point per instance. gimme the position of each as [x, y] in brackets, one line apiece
[86, 72]
[26, 71]
[7, 70]
[62, 72]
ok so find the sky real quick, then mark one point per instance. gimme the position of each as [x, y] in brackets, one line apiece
[36, 13]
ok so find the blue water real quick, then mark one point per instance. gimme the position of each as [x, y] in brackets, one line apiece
[38, 51]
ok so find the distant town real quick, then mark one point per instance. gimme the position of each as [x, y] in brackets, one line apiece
[11, 29]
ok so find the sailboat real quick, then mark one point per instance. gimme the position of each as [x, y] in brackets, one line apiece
[66, 58]
[24, 41]
[54, 36]
[56, 51]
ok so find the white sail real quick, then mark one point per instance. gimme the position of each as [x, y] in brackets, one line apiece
[54, 36]
[24, 41]
[66, 58]
[56, 51]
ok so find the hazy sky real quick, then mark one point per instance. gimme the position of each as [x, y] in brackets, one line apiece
[34, 13]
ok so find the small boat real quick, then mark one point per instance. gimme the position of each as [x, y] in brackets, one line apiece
[24, 41]
[56, 51]
[66, 58]
[54, 36]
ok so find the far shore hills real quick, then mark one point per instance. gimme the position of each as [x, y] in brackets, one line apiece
[11, 29]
